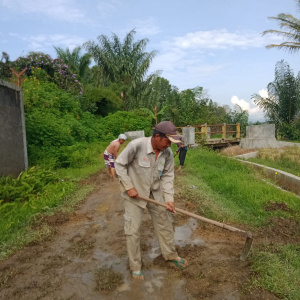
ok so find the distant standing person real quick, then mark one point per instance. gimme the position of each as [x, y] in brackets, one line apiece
[110, 154]
[181, 149]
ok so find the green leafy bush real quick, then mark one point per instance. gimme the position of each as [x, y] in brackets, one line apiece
[101, 100]
[122, 121]
[39, 93]
[28, 184]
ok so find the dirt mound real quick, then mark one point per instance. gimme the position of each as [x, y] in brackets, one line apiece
[276, 206]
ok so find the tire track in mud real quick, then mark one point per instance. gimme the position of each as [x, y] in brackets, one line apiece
[92, 238]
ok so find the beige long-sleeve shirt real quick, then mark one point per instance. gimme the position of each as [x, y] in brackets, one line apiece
[136, 167]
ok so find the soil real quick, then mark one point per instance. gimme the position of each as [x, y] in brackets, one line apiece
[86, 258]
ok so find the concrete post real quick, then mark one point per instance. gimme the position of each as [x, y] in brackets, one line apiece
[224, 131]
[135, 134]
[189, 135]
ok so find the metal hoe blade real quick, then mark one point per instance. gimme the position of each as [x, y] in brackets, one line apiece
[247, 247]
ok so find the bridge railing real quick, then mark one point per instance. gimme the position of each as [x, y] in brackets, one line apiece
[222, 131]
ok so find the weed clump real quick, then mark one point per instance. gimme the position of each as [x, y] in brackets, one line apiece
[107, 279]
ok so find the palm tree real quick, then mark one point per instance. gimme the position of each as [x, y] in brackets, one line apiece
[78, 64]
[282, 106]
[291, 32]
[123, 63]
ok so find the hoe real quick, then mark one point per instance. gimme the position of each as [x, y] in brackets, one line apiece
[249, 238]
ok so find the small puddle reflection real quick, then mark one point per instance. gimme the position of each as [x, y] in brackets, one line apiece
[100, 256]
[102, 208]
[154, 252]
[184, 233]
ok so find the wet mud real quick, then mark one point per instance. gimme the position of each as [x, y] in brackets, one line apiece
[91, 242]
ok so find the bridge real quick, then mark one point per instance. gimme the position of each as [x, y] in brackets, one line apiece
[217, 135]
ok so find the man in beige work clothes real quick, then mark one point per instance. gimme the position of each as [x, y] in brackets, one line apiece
[146, 168]
[110, 154]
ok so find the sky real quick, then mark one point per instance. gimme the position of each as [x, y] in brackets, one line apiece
[215, 44]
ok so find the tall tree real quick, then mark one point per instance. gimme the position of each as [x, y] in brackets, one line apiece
[282, 105]
[238, 115]
[291, 32]
[125, 63]
[77, 63]
[158, 92]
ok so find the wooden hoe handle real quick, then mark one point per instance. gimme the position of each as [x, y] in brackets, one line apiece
[219, 224]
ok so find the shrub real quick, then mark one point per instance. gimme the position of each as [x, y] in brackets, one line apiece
[122, 121]
[28, 184]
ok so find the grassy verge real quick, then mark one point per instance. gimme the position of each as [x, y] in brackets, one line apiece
[286, 159]
[277, 269]
[227, 190]
[18, 217]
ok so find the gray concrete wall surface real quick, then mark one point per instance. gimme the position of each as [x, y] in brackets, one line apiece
[13, 150]
[189, 135]
[259, 143]
[260, 131]
[135, 134]
[263, 136]
[247, 155]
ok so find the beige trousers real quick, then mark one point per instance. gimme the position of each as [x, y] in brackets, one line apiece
[163, 228]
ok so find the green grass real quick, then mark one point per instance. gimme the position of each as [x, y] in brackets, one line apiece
[277, 269]
[228, 190]
[286, 159]
[224, 189]
[17, 218]
[286, 166]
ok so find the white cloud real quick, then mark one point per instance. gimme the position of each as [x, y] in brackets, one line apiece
[263, 93]
[65, 10]
[241, 102]
[107, 7]
[43, 42]
[255, 113]
[221, 39]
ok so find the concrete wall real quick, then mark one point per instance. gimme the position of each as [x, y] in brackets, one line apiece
[135, 134]
[189, 135]
[265, 131]
[262, 136]
[13, 151]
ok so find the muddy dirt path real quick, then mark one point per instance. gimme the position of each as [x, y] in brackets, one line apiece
[84, 244]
